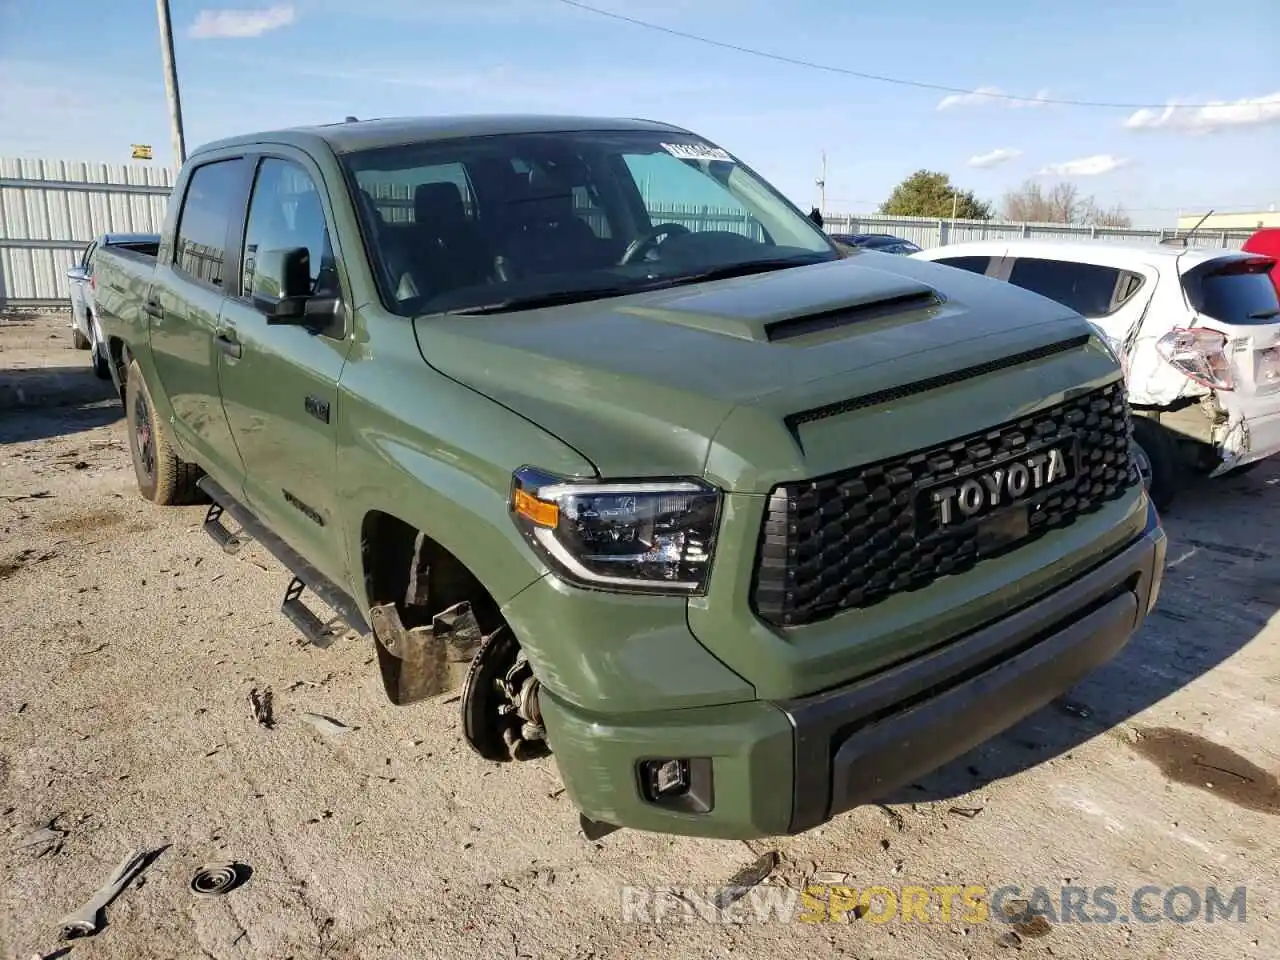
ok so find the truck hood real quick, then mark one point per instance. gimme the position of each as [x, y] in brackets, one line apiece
[640, 385]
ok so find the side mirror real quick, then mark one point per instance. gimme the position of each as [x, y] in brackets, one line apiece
[282, 283]
[77, 274]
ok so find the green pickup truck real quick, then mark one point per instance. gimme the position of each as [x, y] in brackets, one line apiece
[583, 421]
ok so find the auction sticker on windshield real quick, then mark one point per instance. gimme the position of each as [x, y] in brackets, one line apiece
[696, 151]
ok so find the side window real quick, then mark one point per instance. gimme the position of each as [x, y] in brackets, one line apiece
[1086, 288]
[213, 195]
[972, 264]
[85, 264]
[285, 212]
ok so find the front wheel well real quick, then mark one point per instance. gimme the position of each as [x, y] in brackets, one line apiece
[404, 566]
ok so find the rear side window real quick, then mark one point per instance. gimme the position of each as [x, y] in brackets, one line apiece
[213, 197]
[1238, 293]
[1087, 288]
[972, 264]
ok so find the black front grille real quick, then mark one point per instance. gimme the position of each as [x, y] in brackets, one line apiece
[852, 539]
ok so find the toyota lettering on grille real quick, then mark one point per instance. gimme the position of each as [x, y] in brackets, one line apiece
[1012, 481]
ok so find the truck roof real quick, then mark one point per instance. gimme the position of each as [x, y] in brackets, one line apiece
[352, 135]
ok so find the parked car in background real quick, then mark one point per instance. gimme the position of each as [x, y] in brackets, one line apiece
[1198, 331]
[86, 331]
[884, 242]
[1267, 243]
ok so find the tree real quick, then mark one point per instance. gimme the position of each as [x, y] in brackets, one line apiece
[927, 193]
[1062, 203]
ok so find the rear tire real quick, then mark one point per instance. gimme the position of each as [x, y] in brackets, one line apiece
[164, 478]
[1157, 458]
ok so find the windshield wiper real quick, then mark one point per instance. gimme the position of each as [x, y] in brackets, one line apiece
[744, 269]
[553, 299]
[1264, 314]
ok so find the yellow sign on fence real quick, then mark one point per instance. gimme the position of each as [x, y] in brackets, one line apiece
[142, 151]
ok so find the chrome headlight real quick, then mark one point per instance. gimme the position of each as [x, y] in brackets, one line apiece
[636, 536]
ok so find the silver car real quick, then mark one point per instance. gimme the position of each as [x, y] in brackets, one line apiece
[85, 332]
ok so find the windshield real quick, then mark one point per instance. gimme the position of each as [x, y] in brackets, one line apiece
[509, 219]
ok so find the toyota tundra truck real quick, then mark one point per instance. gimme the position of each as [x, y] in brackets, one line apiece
[581, 421]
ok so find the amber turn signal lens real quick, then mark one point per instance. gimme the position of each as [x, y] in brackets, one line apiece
[539, 511]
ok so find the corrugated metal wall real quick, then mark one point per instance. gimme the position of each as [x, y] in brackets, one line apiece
[51, 209]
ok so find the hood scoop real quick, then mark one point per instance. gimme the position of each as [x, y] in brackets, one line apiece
[826, 321]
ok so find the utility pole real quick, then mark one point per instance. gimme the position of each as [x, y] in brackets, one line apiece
[822, 186]
[171, 81]
[955, 202]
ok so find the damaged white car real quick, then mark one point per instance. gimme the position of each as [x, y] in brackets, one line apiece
[1197, 329]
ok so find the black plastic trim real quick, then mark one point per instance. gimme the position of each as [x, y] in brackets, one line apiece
[857, 743]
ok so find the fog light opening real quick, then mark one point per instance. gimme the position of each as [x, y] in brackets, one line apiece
[678, 783]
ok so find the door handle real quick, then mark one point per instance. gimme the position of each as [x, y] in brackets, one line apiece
[152, 308]
[229, 345]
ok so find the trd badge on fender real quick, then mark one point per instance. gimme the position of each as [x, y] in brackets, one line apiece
[1000, 485]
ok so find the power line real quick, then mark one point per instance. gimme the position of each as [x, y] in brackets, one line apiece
[899, 81]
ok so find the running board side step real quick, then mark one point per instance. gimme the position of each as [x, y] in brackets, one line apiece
[305, 576]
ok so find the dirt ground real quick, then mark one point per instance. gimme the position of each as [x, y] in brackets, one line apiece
[131, 645]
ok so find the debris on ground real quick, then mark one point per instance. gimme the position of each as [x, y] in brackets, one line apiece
[1025, 923]
[1009, 939]
[967, 812]
[88, 920]
[895, 818]
[1074, 709]
[49, 838]
[327, 725]
[746, 878]
[262, 709]
[217, 879]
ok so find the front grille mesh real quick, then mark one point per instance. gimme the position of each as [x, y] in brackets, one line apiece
[852, 539]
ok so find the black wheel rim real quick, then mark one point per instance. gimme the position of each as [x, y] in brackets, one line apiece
[143, 435]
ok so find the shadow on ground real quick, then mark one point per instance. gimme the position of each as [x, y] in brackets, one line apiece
[22, 424]
[1221, 587]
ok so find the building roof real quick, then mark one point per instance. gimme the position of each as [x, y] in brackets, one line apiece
[352, 135]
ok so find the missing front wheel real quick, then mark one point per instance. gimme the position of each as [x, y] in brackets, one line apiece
[501, 719]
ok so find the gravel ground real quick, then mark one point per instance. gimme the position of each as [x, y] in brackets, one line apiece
[132, 644]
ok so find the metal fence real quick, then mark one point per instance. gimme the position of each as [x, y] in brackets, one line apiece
[51, 209]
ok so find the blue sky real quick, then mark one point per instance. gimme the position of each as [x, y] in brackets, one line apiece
[81, 80]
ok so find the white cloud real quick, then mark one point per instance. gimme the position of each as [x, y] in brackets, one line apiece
[211, 24]
[1040, 99]
[993, 158]
[1086, 166]
[1213, 116]
[991, 95]
[981, 95]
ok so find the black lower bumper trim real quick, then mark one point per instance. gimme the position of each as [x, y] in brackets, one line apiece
[856, 744]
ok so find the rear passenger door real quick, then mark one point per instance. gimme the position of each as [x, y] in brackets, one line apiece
[182, 308]
[280, 381]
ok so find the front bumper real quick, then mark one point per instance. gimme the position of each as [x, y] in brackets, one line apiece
[786, 767]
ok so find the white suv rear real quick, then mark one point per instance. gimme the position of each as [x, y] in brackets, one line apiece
[1197, 329]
